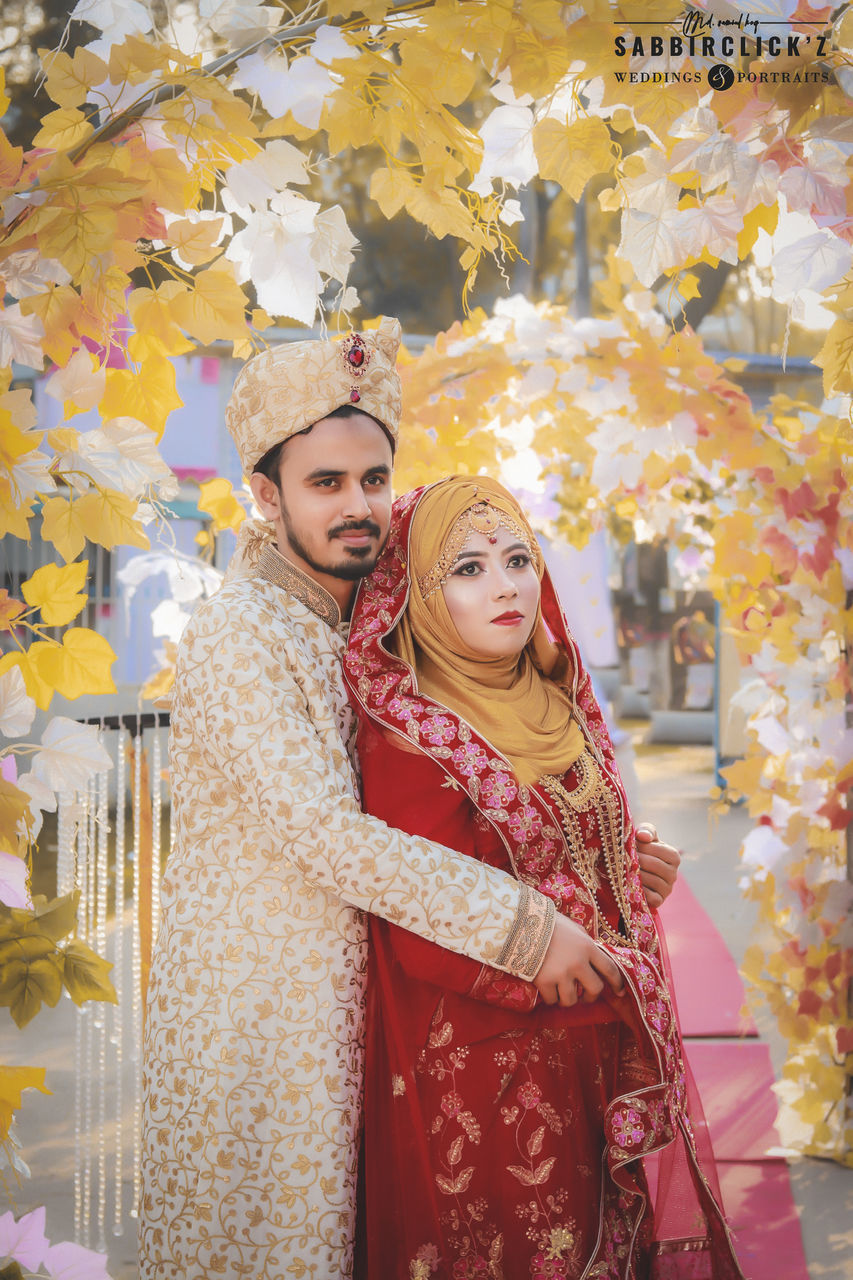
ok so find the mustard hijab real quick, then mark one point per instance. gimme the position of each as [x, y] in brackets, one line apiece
[510, 701]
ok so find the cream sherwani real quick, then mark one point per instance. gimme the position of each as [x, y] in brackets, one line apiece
[254, 1056]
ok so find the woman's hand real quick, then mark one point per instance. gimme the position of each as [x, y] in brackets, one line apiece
[575, 968]
[659, 864]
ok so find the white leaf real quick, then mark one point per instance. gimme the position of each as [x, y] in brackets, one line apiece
[30, 476]
[238, 21]
[82, 381]
[508, 152]
[502, 90]
[714, 226]
[26, 272]
[818, 186]
[333, 242]
[71, 753]
[42, 799]
[510, 213]
[20, 338]
[189, 578]
[330, 44]
[24, 1240]
[274, 251]
[169, 620]
[117, 18]
[68, 1261]
[17, 708]
[301, 87]
[252, 184]
[651, 190]
[814, 262]
[13, 881]
[122, 455]
[762, 848]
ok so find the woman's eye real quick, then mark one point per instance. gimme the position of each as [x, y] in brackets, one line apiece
[518, 561]
[469, 570]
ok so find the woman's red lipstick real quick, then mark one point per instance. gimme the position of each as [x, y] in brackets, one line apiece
[507, 619]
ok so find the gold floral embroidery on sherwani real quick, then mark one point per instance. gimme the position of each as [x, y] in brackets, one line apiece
[254, 1054]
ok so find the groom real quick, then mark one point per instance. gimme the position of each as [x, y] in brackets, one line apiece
[253, 1059]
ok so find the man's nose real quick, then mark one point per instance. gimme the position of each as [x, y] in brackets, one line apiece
[356, 506]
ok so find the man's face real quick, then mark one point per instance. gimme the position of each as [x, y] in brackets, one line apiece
[333, 512]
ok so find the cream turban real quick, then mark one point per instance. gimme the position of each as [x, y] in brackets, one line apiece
[293, 385]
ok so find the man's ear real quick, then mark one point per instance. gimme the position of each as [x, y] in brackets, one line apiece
[266, 495]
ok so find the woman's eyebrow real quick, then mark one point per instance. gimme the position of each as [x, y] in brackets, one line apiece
[476, 555]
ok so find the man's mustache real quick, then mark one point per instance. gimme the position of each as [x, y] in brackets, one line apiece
[356, 526]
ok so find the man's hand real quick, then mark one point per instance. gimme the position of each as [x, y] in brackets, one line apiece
[575, 968]
[658, 865]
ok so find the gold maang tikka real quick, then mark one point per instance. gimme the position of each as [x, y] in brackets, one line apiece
[480, 518]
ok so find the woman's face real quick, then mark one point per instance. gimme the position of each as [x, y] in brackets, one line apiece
[492, 594]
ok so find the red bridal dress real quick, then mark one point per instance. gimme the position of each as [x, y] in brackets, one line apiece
[505, 1139]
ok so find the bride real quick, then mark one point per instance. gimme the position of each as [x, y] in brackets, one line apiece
[507, 1137]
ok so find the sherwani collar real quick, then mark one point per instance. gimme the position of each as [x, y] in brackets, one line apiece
[275, 568]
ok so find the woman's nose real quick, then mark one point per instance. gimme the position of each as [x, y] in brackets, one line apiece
[505, 585]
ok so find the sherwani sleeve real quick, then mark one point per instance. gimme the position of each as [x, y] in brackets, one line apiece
[253, 722]
[422, 802]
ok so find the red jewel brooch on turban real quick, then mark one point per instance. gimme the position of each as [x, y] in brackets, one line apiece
[356, 357]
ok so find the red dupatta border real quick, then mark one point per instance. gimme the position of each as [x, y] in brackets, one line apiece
[384, 687]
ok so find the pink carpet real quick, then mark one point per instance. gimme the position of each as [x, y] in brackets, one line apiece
[710, 994]
[734, 1075]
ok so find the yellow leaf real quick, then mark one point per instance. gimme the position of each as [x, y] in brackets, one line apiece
[391, 188]
[108, 517]
[688, 286]
[81, 664]
[76, 233]
[149, 394]
[63, 439]
[40, 690]
[62, 129]
[159, 685]
[836, 358]
[68, 80]
[54, 589]
[441, 210]
[195, 241]
[86, 975]
[61, 526]
[215, 308]
[11, 161]
[58, 308]
[444, 74]
[156, 332]
[571, 154]
[763, 217]
[217, 498]
[744, 776]
[25, 984]
[13, 1081]
[13, 805]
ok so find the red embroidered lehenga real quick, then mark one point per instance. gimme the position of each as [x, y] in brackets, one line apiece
[502, 1135]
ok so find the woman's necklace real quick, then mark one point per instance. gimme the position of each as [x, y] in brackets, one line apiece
[592, 793]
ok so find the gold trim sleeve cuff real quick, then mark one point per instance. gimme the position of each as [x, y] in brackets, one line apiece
[525, 947]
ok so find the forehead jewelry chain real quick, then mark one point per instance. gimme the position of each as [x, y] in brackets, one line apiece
[480, 518]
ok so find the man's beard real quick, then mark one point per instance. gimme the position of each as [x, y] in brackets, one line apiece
[349, 571]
